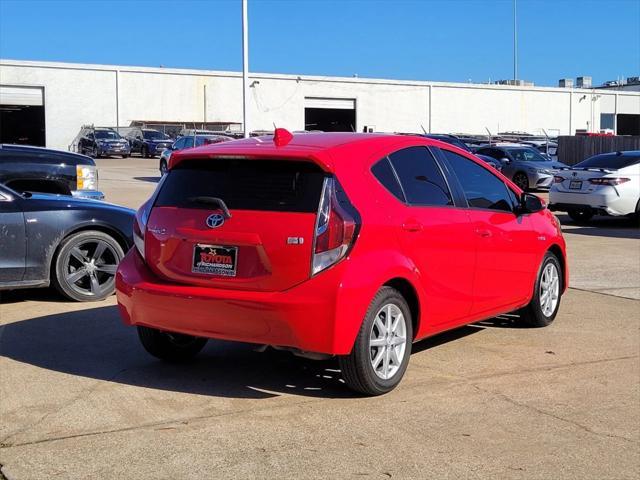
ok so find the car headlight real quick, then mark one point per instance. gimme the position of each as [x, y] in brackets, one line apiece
[87, 177]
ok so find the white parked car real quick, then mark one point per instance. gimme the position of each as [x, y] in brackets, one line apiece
[606, 184]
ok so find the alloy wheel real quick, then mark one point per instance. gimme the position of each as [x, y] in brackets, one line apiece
[387, 341]
[521, 181]
[549, 289]
[90, 267]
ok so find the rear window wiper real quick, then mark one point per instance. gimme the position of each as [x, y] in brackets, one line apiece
[212, 201]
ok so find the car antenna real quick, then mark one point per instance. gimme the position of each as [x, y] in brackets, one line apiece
[423, 129]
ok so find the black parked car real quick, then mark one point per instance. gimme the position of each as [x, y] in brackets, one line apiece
[74, 244]
[99, 142]
[450, 139]
[35, 169]
[148, 142]
[497, 164]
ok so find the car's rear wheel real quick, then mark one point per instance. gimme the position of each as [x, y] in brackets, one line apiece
[144, 152]
[382, 348]
[163, 166]
[580, 215]
[544, 305]
[85, 266]
[521, 180]
[168, 346]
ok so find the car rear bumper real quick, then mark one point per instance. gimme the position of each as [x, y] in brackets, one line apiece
[114, 151]
[605, 204]
[92, 194]
[302, 317]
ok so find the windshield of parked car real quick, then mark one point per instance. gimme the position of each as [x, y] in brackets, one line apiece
[154, 135]
[526, 155]
[609, 161]
[107, 134]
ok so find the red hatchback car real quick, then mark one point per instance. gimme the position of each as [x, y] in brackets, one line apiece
[355, 245]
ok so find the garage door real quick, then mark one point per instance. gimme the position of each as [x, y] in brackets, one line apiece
[27, 96]
[335, 103]
[330, 114]
[22, 115]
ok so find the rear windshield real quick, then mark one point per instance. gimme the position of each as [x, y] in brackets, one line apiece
[266, 185]
[613, 162]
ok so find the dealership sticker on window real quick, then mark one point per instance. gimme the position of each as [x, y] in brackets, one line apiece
[215, 260]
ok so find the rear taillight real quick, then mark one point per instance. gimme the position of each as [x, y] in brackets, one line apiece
[142, 217]
[335, 229]
[608, 181]
[557, 179]
[140, 225]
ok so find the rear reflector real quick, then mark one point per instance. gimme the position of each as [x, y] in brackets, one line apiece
[557, 179]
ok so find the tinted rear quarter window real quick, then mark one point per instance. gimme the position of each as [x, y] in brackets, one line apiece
[386, 176]
[481, 188]
[265, 185]
[420, 177]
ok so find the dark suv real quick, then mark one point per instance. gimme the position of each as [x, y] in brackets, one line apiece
[102, 141]
[148, 142]
[35, 169]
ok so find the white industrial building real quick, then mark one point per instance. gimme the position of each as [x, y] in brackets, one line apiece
[46, 103]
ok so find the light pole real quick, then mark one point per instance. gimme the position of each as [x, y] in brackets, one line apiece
[515, 39]
[245, 69]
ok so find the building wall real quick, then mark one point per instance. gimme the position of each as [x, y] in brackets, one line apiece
[77, 94]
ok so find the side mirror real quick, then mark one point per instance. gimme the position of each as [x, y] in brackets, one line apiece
[505, 160]
[530, 203]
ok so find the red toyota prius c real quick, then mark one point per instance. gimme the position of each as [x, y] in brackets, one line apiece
[335, 244]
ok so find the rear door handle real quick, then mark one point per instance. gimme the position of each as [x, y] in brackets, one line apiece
[484, 233]
[412, 226]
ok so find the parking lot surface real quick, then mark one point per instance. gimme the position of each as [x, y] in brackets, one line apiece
[81, 399]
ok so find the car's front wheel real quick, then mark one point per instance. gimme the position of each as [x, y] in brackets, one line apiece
[168, 346]
[163, 166]
[521, 180]
[85, 266]
[382, 348]
[544, 305]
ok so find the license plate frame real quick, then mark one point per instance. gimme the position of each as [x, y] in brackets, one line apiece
[575, 185]
[220, 260]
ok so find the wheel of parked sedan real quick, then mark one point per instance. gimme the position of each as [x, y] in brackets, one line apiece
[521, 180]
[580, 215]
[168, 346]
[144, 152]
[382, 348]
[545, 302]
[85, 266]
[163, 167]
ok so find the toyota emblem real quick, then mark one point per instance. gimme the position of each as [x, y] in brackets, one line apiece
[215, 220]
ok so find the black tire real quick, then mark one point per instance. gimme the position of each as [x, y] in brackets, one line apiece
[170, 347]
[163, 167]
[357, 369]
[84, 266]
[533, 314]
[581, 215]
[521, 180]
[144, 152]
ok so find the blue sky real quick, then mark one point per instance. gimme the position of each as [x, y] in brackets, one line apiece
[420, 39]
